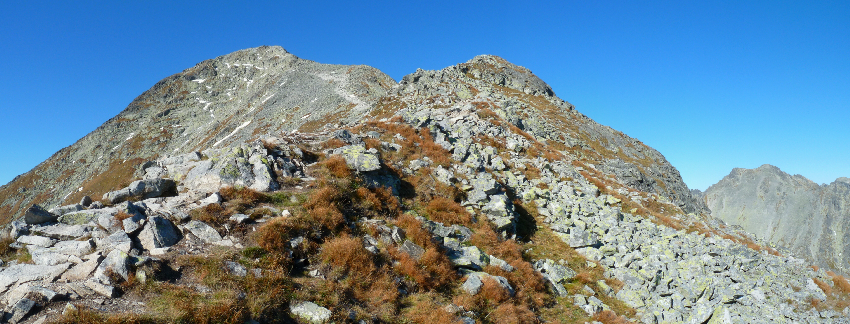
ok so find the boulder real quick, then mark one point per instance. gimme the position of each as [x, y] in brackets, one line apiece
[101, 288]
[357, 158]
[37, 215]
[142, 189]
[158, 232]
[36, 240]
[310, 312]
[86, 201]
[558, 273]
[82, 270]
[20, 310]
[475, 281]
[203, 231]
[469, 257]
[117, 262]
[64, 232]
[117, 241]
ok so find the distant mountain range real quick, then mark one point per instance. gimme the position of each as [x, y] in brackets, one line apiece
[810, 219]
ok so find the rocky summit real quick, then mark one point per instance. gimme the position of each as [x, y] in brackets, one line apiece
[791, 211]
[258, 187]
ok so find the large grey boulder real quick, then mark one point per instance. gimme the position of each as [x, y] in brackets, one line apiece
[203, 231]
[37, 215]
[310, 312]
[117, 262]
[158, 233]
[142, 189]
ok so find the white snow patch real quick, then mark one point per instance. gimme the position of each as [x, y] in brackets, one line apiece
[208, 87]
[193, 92]
[233, 132]
[199, 80]
[128, 138]
[305, 116]
[267, 98]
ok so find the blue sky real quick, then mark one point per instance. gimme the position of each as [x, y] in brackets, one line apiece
[712, 85]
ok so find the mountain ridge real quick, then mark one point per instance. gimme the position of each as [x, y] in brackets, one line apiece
[787, 209]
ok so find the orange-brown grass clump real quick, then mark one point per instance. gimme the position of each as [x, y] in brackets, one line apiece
[212, 214]
[447, 211]
[336, 166]
[424, 309]
[249, 196]
[333, 143]
[823, 286]
[839, 282]
[377, 202]
[347, 253]
[355, 280]
[432, 271]
[512, 313]
[414, 230]
[121, 216]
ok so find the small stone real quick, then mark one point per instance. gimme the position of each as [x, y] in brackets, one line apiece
[310, 312]
[235, 269]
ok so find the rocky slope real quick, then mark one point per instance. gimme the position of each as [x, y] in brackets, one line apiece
[218, 103]
[792, 211]
[467, 195]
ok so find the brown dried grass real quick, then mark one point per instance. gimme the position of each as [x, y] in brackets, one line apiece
[448, 212]
[425, 309]
[511, 313]
[823, 286]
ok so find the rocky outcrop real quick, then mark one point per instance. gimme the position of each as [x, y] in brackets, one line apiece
[791, 211]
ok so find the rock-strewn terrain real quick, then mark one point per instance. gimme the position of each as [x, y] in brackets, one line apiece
[792, 211]
[467, 195]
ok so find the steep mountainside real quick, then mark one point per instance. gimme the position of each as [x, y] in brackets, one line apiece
[217, 103]
[810, 219]
[261, 188]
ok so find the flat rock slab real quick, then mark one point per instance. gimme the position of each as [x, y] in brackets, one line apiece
[203, 231]
[21, 273]
[36, 240]
[63, 231]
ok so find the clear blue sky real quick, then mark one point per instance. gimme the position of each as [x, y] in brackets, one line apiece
[712, 85]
